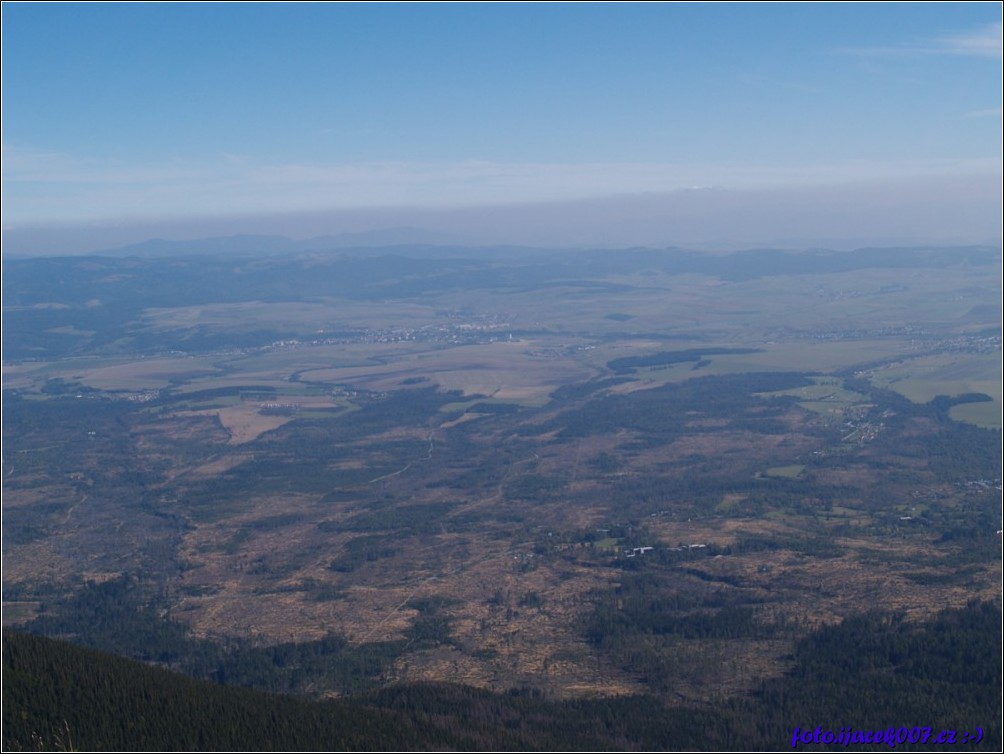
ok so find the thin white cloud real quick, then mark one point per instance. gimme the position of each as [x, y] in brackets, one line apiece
[35, 166]
[984, 42]
[992, 112]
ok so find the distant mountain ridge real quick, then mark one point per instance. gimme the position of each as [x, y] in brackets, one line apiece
[270, 244]
[416, 242]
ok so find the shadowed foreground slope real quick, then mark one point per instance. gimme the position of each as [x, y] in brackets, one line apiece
[869, 673]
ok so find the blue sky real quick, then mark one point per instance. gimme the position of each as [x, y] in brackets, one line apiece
[119, 114]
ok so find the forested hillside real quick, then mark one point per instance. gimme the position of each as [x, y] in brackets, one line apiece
[868, 674]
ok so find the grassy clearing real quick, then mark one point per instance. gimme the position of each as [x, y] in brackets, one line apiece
[31, 375]
[811, 355]
[315, 316]
[26, 376]
[785, 472]
[452, 408]
[608, 543]
[224, 401]
[924, 378]
[244, 423]
[826, 395]
[147, 374]
[245, 420]
[986, 415]
[330, 356]
[792, 355]
[515, 372]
